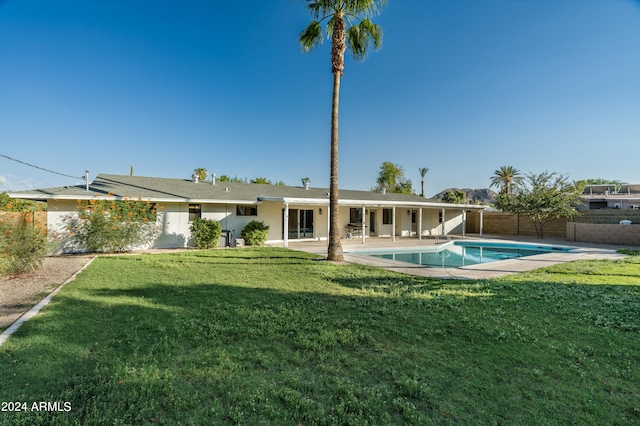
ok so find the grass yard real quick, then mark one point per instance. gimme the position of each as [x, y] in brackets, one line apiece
[271, 336]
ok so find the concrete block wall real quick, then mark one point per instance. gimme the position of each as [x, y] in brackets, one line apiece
[512, 224]
[604, 233]
[611, 216]
[500, 223]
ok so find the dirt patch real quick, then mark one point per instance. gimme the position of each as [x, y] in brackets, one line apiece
[19, 293]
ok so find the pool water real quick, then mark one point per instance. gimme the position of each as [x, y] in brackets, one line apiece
[463, 253]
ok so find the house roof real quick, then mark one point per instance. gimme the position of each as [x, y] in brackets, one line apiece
[183, 190]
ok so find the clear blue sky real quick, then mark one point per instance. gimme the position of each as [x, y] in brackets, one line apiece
[460, 86]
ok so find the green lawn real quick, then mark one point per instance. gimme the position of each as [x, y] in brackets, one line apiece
[271, 336]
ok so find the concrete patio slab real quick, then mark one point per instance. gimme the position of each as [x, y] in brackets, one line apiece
[481, 271]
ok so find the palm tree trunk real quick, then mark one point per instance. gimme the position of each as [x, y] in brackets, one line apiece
[335, 247]
[338, 47]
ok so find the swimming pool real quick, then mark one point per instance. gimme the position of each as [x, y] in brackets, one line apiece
[463, 253]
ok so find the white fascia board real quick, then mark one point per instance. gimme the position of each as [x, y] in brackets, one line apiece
[94, 196]
[45, 197]
[304, 201]
[213, 201]
[404, 204]
[460, 206]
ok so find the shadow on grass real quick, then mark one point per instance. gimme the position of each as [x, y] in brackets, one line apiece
[380, 348]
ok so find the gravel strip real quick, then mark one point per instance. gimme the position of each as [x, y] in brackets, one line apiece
[21, 292]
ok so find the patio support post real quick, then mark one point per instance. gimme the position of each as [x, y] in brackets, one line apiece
[444, 219]
[481, 212]
[464, 221]
[420, 224]
[364, 220]
[328, 225]
[393, 225]
[286, 225]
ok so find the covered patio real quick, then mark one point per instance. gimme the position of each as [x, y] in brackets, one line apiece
[362, 219]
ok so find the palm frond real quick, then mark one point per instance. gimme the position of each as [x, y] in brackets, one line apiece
[311, 36]
[365, 8]
[359, 38]
[374, 31]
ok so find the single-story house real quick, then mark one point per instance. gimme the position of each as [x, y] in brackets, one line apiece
[292, 213]
[626, 197]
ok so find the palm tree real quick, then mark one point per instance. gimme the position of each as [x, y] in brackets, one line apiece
[201, 173]
[423, 171]
[506, 178]
[348, 24]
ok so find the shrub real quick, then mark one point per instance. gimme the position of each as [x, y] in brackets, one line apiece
[111, 226]
[255, 233]
[205, 233]
[23, 245]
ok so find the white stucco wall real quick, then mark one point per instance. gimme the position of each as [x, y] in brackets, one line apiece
[174, 225]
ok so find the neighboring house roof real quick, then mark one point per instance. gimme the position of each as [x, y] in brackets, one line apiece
[608, 193]
[183, 190]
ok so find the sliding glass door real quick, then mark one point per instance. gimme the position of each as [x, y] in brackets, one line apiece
[300, 224]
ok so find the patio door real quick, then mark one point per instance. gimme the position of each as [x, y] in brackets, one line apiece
[306, 224]
[414, 224]
[372, 223]
[300, 224]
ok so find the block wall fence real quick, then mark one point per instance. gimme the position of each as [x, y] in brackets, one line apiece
[591, 226]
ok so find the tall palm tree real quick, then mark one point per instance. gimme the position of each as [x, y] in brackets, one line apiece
[423, 171]
[348, 25]
[506, 178]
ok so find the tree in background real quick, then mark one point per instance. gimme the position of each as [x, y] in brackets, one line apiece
[543, 197]
[580, 184]
[340, 14]
[451, 197]
[423, 171]
[261, 180]
[506, 178]
[391, 179]
[235, 179]
[201, 173]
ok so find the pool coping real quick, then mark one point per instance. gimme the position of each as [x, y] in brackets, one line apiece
[473, 272]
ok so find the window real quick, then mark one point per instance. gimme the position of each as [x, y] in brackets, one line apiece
[355, 215]
[387, 216]
[246, 211]
[440, 216]
[195, 211]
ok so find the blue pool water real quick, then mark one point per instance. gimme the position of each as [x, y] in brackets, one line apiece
[463, 253]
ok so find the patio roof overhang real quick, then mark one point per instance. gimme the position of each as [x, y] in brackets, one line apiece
[373, 203]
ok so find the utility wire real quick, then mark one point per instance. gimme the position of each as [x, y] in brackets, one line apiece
[41, 168]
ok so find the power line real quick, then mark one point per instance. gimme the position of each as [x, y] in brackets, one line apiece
[41, 168]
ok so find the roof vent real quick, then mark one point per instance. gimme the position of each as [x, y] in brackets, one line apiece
[213, 178]
[195, 178]
[383, 191]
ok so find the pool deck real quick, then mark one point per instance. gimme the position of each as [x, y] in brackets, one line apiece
[477, 272]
